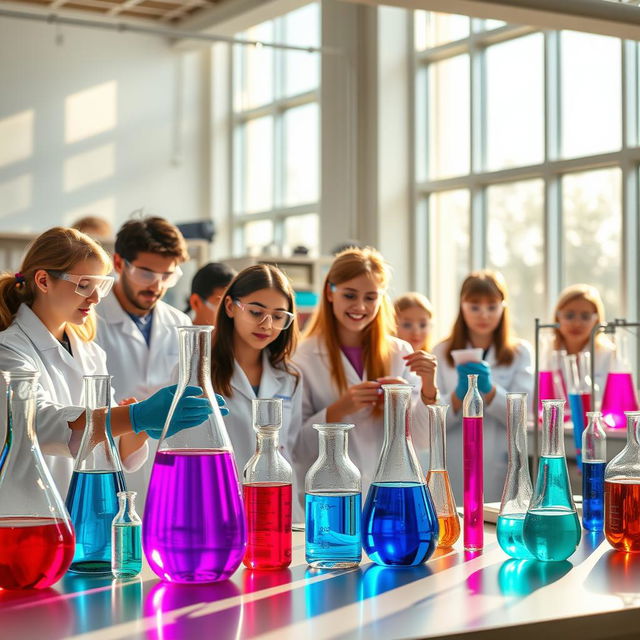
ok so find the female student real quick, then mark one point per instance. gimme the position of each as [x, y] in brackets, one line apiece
[414, 315]
[256, 333]
[47, 324]
[578, 310]
[348, 354]
[483, 322]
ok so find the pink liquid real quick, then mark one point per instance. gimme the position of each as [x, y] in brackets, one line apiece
[473, 494]
[619, 396]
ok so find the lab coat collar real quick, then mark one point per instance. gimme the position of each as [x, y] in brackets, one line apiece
[270, 384]
[111, 312]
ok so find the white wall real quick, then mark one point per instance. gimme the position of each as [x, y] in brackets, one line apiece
[104, 123]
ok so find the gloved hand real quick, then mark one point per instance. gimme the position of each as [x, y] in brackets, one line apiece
[483, 371]
[463, 383]
[151, 414]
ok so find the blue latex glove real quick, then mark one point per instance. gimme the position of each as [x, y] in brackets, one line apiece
[463, 382]
[483, 371]
[150, 414]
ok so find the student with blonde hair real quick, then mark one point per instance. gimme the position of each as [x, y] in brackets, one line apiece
[47, 324]
[348, 354]
[483, 322]
[414, 316]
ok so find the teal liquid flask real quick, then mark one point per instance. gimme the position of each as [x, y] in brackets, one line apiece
[126, 538]
[551, 527]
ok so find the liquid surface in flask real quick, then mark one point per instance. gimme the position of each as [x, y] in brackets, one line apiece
[206, 541]
[592, 495]
[510, 537]
[622, 513]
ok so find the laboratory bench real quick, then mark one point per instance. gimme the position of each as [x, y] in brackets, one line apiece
[595, 594]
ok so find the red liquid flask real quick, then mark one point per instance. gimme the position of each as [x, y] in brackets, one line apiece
[36, 536]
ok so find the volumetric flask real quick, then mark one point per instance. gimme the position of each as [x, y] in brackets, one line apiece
[126, 541]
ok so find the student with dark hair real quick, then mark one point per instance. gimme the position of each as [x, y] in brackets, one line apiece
[207, 289]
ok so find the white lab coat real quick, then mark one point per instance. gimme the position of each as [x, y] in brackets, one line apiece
[28, 345]
[275, 383]
[139, 370]
[365, 440]
[518, 376]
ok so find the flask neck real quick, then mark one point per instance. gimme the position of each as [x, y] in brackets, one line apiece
[472, 406]
[633, 429]
[517, 430]
[267, 440]
[594, 439]
[21, 418]
[437, 437]
[333, 446]
[195, 350]
[552, 428]
[127, 506]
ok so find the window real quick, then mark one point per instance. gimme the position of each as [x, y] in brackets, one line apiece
[276, 136]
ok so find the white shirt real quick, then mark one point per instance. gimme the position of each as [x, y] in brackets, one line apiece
[27, 345]
[518, 376]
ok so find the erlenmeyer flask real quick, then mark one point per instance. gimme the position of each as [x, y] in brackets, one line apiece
[333, 501]
[399, 522]
[551, 527]
[36, 536]
[594, 460]
[619, 390]
[194, 524]
[438, 478]
[517, 491]
[97, 478]
[473, 470]
[622, 491]
[267, 490]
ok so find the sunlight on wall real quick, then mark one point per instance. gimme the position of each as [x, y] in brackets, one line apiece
[103, 208]
[90, 112]
[16, 137]
[90, 166]
[15, 194]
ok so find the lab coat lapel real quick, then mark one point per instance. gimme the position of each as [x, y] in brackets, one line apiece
[240, 383]
[349, 371]
[271, 382]
[113, 313]
[161, 333]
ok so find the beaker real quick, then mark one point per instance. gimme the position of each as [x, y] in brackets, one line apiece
[438, 478]
[551, 528]
[36, 536]
[194, 524]
[473, 470]
[333, 499]
[594, 460]
[97, 478]
[517, 491]
[267, 490]
[619, 389]
[126, 538]
[399, 521]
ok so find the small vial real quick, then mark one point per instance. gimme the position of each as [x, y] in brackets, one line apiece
[126, 543]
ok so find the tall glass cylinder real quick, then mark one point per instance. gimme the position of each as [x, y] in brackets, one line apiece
[594, 460]
[473, 470]
[97, 478]
[194, 523]
[36, 536]
[400, 525]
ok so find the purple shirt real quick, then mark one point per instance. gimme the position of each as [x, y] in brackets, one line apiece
[354, 356]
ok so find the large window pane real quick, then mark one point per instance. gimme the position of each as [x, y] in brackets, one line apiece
[302, 69]
[448, 255]
[515, 103]
[592, 215]
[253, 69]
[515, 247]
[301, 154]
[257, 236]
[254, 166]
[433, 29]
[449, 110]
[591, 94]
[302, 231]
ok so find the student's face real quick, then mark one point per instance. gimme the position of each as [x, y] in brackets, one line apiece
[356, 302]
[137, 283]
[482, 315]
[255, 315]
[414, 325]
[576, 320]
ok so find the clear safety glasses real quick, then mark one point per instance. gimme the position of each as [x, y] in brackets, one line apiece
[492, 309]
[280, 320]
[146, 277]
[577, 316]
[86, 285]
[416, 326]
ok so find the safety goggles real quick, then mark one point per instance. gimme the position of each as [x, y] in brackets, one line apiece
[476, 309]
[212, 305]
[86, 285]
[148, 278]
[573, 316]
[416, 326]
[353, 295]
[280, 320]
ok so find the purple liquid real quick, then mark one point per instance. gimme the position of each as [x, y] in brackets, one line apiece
[473, 493]
[194, 525]
[619, 396]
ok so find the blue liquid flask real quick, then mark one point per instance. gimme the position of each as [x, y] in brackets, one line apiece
[333, 502]
[126, 538]
[594, 460]
[517, 491]
[551, 529]
[399, 521]
[92, 500]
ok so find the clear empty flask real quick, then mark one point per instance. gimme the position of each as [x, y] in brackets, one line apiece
[619, 390]
[126, 540]
[333, 501]
[594, 460]
[517, 492]
[622, 491]
[194, 523]
[97, 478]
[473, 471]
[438, 478]
[551, 527]
[399, 521]
[267, 492]
[36, 535]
